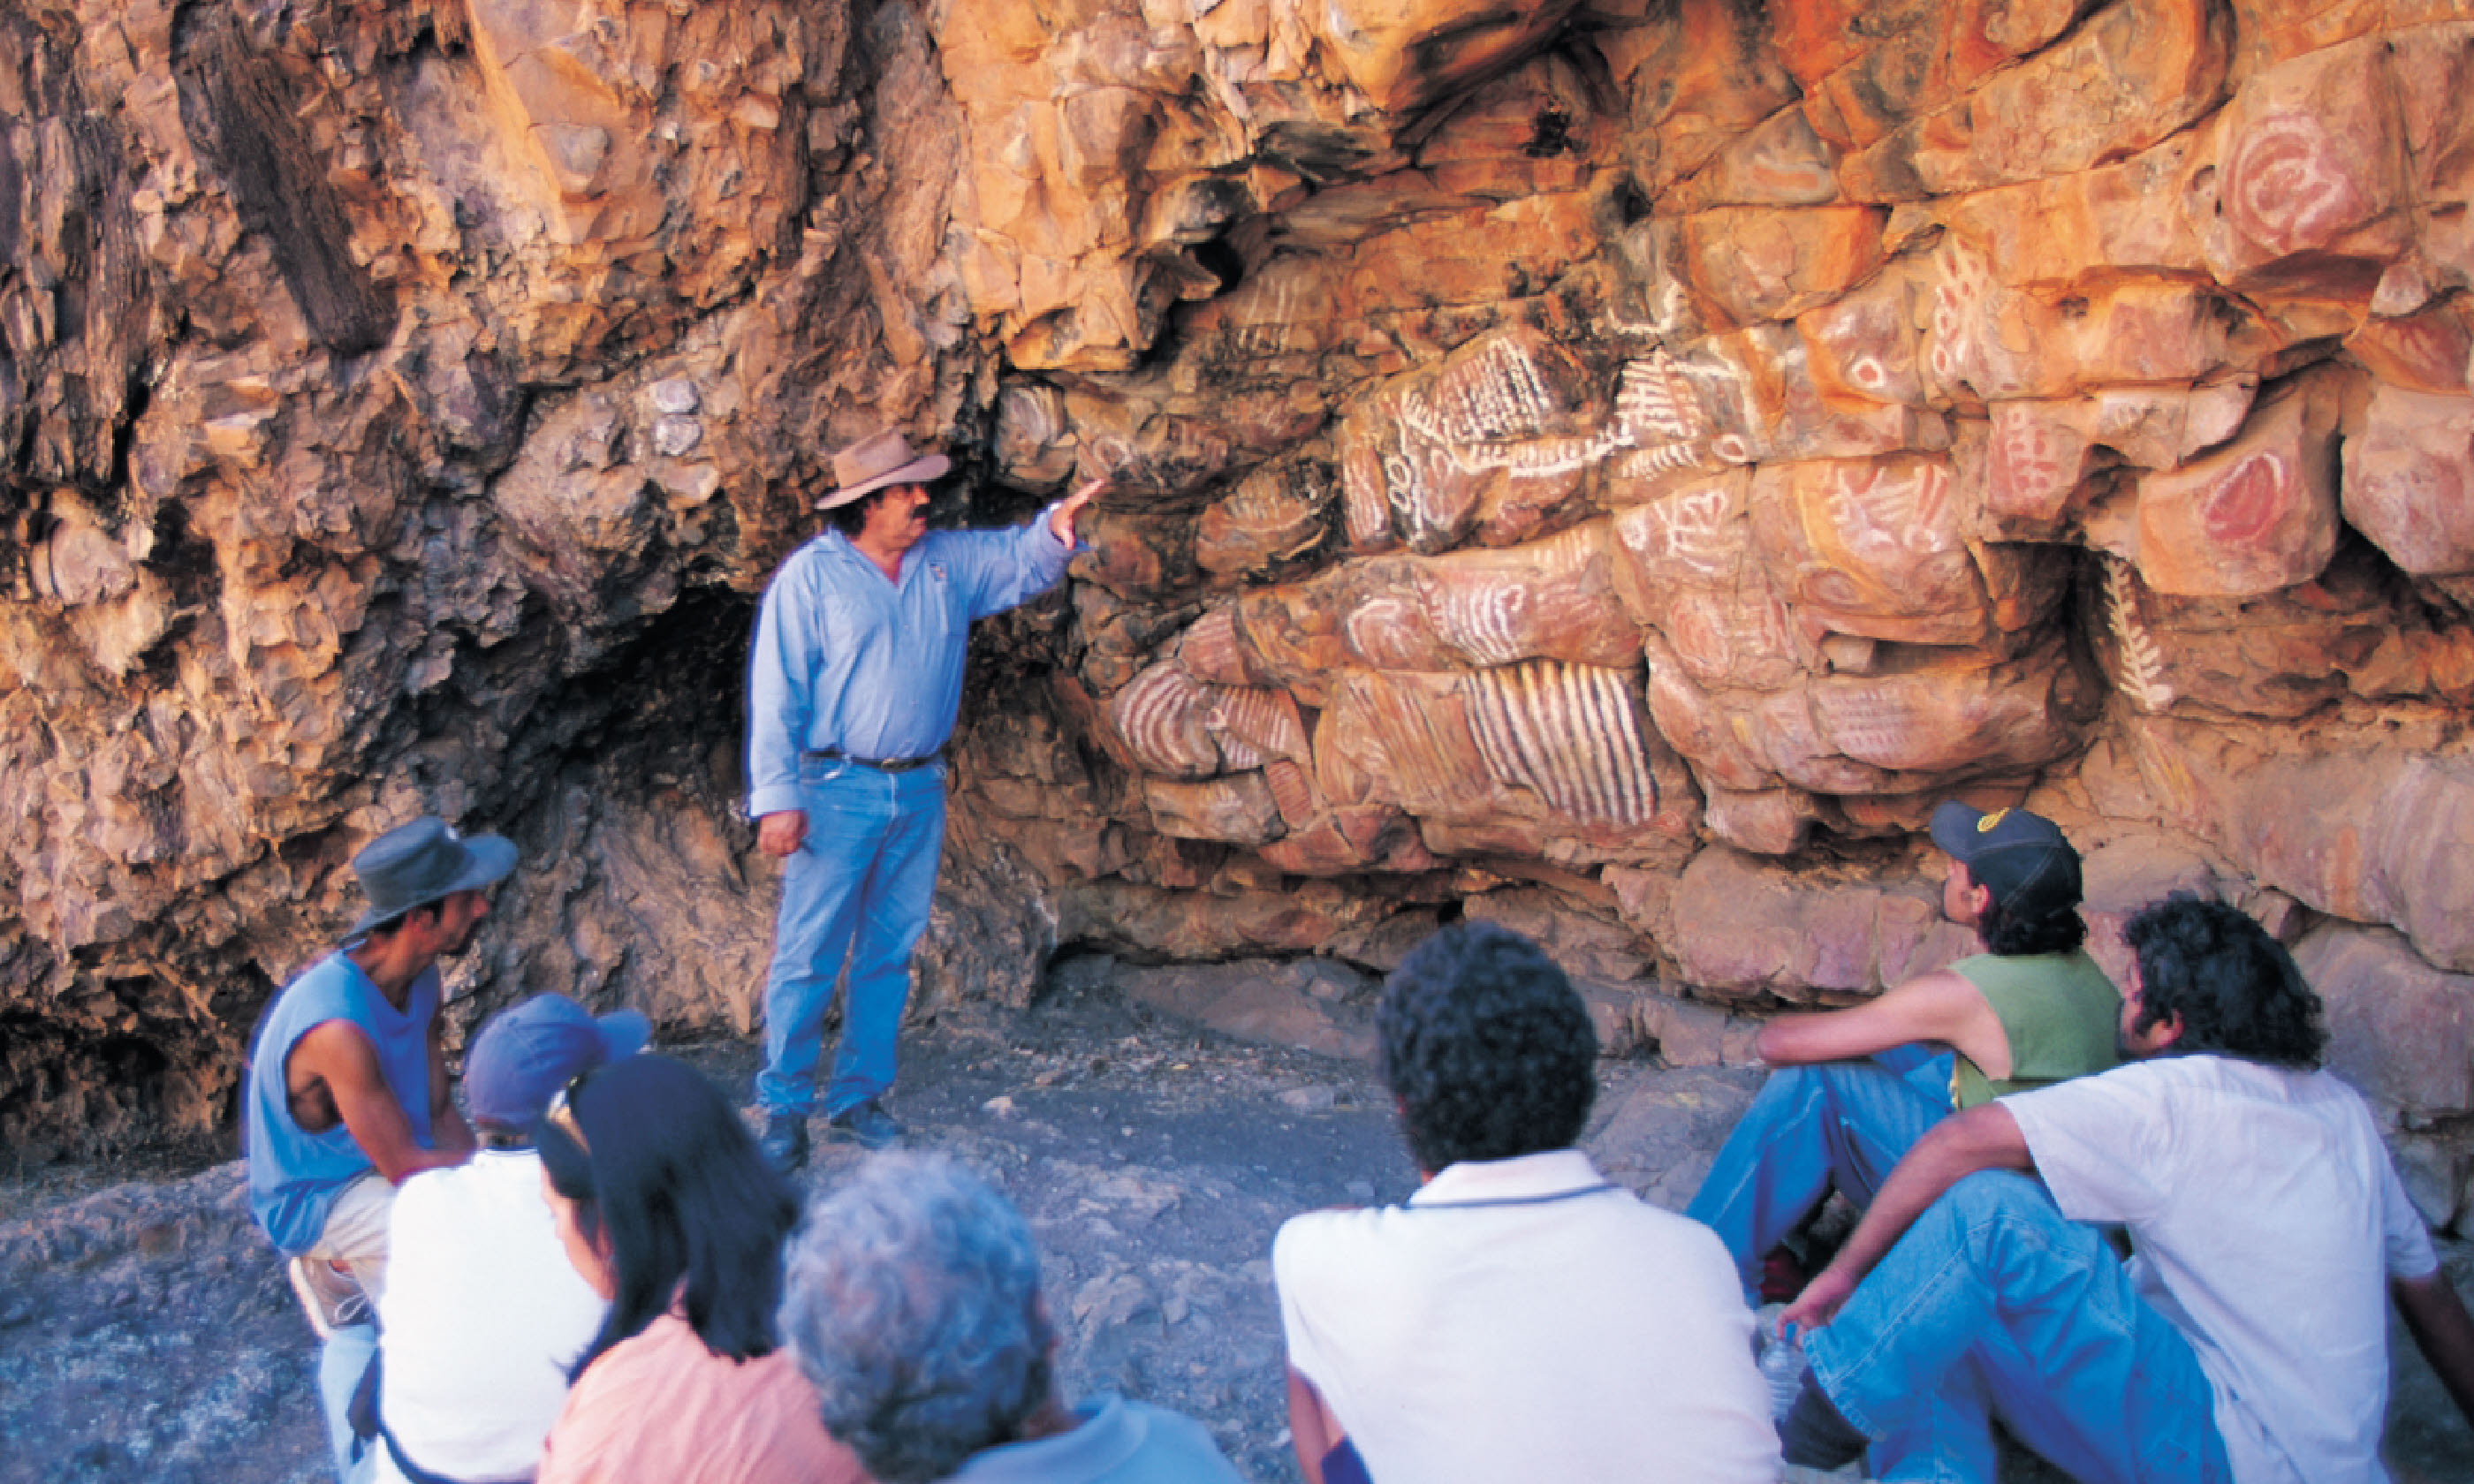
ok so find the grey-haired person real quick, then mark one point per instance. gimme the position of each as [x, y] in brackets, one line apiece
[911, 1295]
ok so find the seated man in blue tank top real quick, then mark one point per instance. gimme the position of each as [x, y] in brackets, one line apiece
[1855, 1089]
[346, 1092]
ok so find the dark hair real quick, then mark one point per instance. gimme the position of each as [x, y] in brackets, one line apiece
[2057, 929]
[671, 1178]
[850, 519]
[1487, 1047]
[2237, 989]
[388, 927]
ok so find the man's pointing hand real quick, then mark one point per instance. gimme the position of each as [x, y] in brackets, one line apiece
[1061, 521]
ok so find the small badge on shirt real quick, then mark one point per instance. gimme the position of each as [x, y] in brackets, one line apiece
[936, 571]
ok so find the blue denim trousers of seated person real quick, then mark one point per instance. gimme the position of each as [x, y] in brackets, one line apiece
[1996, 1304]
[1832, 1125]
[856, 891]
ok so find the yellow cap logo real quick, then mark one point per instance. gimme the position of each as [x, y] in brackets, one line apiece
[1984, 825]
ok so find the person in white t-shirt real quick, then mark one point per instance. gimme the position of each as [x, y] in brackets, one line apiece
[1521, 1317]
[2247, 1340]
[484, 1313]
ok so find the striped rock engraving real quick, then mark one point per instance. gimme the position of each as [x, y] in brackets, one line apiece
[1366, 502]
[1403, 739]
[1212, 650]
[1161, 716]
[1550, 599]
[1497, 396]
[1255, 725]
[1570, 734]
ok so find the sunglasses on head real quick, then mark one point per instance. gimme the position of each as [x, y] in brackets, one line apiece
[561, 1113]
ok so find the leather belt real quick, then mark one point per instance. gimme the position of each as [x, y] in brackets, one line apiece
[879, 764]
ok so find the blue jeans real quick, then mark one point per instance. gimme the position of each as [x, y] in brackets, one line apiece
[857, 891]
[1832, 1125]
[1996, 1304]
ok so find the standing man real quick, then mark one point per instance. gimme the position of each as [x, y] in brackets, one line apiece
[853, 683]
[1855, 1089]
[347, 1091]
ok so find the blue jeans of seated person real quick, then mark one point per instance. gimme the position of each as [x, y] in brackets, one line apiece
[1996, 1304]
[1832, 1125]
[856, 891]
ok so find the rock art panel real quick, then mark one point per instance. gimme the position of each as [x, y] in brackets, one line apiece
[2258, 515]
[1871, 548]
[1540, 443]
[1504, 422]
[2308, 163]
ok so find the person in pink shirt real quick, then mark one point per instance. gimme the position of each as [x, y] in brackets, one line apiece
[667, 1211]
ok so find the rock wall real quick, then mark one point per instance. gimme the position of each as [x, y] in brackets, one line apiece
[1610, 467]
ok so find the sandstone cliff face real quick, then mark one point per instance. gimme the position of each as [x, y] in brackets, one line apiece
[1611, 467]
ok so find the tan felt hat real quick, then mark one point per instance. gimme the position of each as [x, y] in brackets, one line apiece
[876, 460]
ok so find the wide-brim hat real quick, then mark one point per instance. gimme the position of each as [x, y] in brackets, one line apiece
[879, 459]
[525, 1055]
[2023, 859]
[414, 864]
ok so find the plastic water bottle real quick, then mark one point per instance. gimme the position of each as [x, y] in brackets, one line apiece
[1783, 1368]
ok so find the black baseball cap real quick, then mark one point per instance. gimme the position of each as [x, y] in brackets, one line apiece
[2021, 858]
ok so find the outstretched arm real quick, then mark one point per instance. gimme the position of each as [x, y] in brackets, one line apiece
[2441, 1331]
[1984, 1138]
[1939, 1007]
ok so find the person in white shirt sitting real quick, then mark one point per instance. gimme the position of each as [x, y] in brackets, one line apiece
[483, 1314]
[2249, 1338]
[1521, 1317]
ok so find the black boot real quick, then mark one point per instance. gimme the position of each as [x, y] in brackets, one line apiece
[784, 1144]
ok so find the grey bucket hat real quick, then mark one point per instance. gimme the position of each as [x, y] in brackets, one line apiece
[414, 864]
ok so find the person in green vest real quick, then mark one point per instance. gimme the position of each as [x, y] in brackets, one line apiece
[1855, 1089]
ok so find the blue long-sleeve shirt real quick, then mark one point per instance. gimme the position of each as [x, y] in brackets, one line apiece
[846, 659]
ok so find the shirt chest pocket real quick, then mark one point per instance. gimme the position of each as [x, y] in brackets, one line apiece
[934, 603]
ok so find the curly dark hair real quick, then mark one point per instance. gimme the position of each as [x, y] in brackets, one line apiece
[2237, 989]
[852, 518]
[2013, 935]
[1487, 1047]
[670, 1178]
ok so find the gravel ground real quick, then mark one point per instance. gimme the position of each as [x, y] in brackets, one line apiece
[146, 1331]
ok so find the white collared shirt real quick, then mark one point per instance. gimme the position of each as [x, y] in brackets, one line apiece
[1526, 1319]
